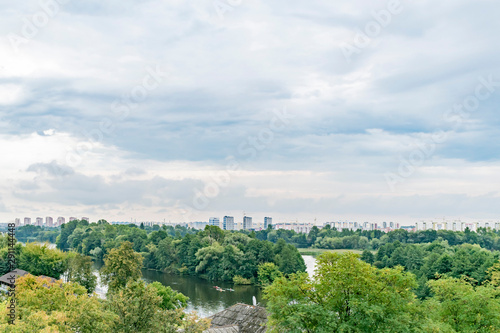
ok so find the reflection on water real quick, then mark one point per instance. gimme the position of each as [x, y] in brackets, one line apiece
[203, 297]
[310, 262]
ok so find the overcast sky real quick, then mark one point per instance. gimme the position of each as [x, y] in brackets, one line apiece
[183, 110]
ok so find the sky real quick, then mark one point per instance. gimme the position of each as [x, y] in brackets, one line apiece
[302, 111]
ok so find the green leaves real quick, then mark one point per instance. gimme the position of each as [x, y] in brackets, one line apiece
[346, 295]
[120, 266]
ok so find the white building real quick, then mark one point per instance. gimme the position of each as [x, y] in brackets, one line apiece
[39, 221]
[247, 223]
[72, 218]
[27, 220]
[295, 226]
[18, 222]
[228, 223]
[267, 222]
[60, 221]
[85, 219]
[214, 221]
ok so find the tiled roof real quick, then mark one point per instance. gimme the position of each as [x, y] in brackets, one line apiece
[18, 272]
[249, 319]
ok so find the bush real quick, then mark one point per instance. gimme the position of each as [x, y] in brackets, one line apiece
[241, 280]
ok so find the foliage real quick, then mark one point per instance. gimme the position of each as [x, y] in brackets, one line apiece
[171, 299]
[268, 272]
[80, 271]
[120, 266]
[241, 280]
[44, 306]
[346, 295]
[463, 307]
[139, 309]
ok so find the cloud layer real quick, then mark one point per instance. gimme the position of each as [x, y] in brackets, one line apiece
[180, 110]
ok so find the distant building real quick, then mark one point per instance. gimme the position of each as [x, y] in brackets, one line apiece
[214, 221]
[295, 226]
[18, 222]
[267, 222]
[49, 222]
[60, 221]
[198, 225]
[39, 221]
[27, 220]
[85, 219]
[73, 219]
[247, 223]
[228, 223]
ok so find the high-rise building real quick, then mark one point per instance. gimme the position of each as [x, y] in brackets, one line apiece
[39, 221]
[27, 220]
[85, 219]
[49, 222]
[73, 219]
[391, 225]
[384, 225]
[214, 221]
[228, 223]
[60, 221]
[18, 222]
[247, 222]
[267, 222]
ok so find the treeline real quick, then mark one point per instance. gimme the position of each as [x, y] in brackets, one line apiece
[349, 295]
[31, 233]
[211, 253]
[435, 260]
[331, 238]
[38, 259]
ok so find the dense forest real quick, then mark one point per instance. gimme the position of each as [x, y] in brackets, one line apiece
[331, 238]
[211, 253]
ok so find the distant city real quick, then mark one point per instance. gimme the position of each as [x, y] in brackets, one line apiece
[247, 223]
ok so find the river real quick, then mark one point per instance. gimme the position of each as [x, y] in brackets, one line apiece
[203, 297]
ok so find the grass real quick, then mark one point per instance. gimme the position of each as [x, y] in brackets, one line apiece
[316, 252]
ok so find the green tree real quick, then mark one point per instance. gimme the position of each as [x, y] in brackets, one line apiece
[80, 271]
[171, 299]
[346, 295]
[120, 266]
[268, 272]
[45, 306]
[465, 308]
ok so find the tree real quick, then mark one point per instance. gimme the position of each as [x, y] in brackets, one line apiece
[346, 295]
[45, 306]
[80, 271]
[268, 272]
[120, 266]
[139, 309]
[40, 260]
[465, 308]
[171, 299]
[367, 256]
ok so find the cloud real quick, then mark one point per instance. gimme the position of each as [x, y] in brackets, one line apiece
[354, 120]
